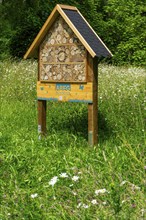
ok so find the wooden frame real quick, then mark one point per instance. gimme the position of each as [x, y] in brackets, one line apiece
[72, 67]
[33, 52]
[92, 107]
[42, 105]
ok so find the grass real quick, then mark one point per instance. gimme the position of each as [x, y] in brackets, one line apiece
[116, 166]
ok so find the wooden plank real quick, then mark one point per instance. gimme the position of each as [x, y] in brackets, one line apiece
[39, 66]
[67, 7]
[33, 49]
[63, 63]
[89, 68]
[66, 44]
[41, 117]
[92, 108]
[72, 82]
[65, 92]
[52, 87]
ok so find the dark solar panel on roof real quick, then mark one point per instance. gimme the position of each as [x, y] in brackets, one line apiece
[87, 33]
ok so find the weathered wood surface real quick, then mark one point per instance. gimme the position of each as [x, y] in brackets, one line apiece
[92, 107]
[62, 56]
[41, 117]
[65, 92]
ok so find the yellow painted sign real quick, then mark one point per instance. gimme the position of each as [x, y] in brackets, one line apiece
[65, 92]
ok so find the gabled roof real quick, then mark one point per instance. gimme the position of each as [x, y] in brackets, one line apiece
[79, 26]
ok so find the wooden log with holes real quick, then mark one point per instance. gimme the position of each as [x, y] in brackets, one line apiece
[63, 72]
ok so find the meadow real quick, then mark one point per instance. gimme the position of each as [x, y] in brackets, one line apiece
[60, 176]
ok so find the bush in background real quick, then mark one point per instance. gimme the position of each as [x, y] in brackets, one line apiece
[121, 25]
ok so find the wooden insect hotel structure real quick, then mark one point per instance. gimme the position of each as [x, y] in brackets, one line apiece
[68, 52]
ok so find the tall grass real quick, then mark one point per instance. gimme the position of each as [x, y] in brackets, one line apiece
[106, 181]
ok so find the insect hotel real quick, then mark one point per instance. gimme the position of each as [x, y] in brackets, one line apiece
[68, 52]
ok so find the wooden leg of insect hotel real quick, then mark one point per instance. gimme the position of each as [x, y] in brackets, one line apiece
[41, 118]
[92, 109]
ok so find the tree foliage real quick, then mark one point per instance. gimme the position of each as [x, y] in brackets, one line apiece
[121, 25]
[125, 25]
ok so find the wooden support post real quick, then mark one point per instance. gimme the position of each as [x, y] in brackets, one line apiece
[41, 117]
[92, 108]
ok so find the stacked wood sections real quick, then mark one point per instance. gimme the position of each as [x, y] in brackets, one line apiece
[62, 56]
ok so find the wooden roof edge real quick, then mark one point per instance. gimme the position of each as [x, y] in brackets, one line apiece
[46, 25]
[67, 7]
[95, 33]
[54, 14]
[74, 29]
[41, 33]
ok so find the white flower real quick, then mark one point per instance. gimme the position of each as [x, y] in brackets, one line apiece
[75, 178]
[100, 191]
[94, 202]
[134, 187]
[53, 181]
[143, 211]
[85, 206]
[123, 201]
[74, 193]
[123, 183]
[104, 203]
[79, 205]
[63, 175]
[34, 195]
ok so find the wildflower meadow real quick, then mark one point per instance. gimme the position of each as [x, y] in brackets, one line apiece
[60, 176]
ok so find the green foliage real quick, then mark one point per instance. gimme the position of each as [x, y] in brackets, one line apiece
[5, 35]
[121, 25]
[24, 35]
[125, 25]
[116, 166]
